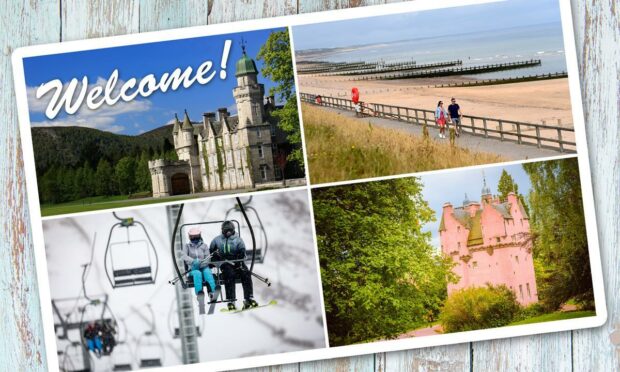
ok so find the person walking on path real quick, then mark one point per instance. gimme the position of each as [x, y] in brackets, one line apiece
[455, 116]
[441, 116]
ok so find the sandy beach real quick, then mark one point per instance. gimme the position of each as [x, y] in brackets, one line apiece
[545, 101]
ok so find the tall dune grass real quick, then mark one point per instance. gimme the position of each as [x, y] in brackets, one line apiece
[342, 148]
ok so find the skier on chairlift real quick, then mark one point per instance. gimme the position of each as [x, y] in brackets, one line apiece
[196, 256]
[93, 339]
[230, 246]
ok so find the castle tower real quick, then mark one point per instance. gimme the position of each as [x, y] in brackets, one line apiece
[489, 242]
[253, 130]
[186, 147]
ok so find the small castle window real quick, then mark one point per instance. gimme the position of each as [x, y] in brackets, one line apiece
[521, 290]
[475, 263]
[260, 151]
[527, 286]
[263, 172]
[458, 229]
[498, 239]
[277, 171]
[259, 133]
[458, 245]
[517, 259]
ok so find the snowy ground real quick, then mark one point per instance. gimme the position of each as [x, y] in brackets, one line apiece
[296, 323]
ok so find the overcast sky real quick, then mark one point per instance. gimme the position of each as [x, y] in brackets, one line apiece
[425, 24]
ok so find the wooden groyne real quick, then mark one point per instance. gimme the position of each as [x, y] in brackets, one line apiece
[325, 67]
[400, 67]
[540, 135]
[456, 71]
[557, 75]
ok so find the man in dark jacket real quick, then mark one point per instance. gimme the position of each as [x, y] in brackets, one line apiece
[230, 246]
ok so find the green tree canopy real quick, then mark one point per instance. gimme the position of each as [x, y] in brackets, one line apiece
[506, 185]
[559, 232]
[125, 171]
[278, 66]
[381, 276]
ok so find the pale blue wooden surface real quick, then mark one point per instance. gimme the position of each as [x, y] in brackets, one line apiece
[597, 31]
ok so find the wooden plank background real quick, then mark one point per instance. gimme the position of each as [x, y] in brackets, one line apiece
[597, 32]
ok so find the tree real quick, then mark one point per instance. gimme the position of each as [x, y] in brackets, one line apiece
[278, 66]
[381, 276]
[104, 178]
[143, 174]
[506, 185]
[559, 233]
[125, 171]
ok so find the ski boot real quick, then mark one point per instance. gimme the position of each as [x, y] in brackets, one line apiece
[249, 303]
[231, 306]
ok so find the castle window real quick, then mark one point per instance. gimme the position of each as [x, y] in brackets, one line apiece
[517, 259]
[259, 133]
[521, 290]
[458, 229]
[260, 151]
[475, 263]
[277, 171]
[498, 239]
[458, 245]
[527, 286]
[263, 172]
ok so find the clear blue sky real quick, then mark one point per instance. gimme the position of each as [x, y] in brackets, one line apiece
[425, 24]
[451, 187]
[144, 114]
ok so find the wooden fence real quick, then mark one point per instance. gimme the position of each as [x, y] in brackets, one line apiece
[457, 71]
[540, 135]
[556, 75]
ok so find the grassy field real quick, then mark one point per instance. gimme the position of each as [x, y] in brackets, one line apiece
[341, 148]
[555, 316]
[103, 202]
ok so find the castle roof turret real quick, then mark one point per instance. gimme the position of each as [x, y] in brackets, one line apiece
[245, 65]
[187, 125]
[177, 125]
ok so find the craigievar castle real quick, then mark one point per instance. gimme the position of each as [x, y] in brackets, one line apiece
[225, 152]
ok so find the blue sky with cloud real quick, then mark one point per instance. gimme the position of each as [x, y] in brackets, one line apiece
[426, 24]
[136, 61]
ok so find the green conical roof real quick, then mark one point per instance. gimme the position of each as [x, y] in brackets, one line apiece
[246, 65]
[177, 124]
[186, 123]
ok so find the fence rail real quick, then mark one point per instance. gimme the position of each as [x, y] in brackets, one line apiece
[456, 71]
[539, 135]
[556, 75]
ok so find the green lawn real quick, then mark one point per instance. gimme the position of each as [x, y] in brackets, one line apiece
[103, 202]
[555, 316]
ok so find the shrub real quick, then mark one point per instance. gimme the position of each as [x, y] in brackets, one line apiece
[529, 312]
[478, 308]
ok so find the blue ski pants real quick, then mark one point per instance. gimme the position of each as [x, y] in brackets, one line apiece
[94, 343]
[199, 275]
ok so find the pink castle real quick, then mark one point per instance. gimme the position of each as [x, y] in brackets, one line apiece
[489, 243]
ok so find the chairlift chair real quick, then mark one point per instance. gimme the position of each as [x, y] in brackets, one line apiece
[130, 275]
[187, 280]
[72, 353]
[262, 241]
[149, 339]
[122, 359]
[107, 323]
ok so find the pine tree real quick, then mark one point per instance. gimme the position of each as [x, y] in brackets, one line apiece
[104, 179]
[125, 171]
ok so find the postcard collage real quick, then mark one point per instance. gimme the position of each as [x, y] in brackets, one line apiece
[309, 187]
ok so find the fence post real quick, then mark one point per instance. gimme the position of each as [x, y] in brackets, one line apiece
[417, 120]
[560, 140]
[518, 133]
[484, 124]
[538, 136]
[501, 130]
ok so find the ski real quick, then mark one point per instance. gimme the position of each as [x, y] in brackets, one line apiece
[225, 310]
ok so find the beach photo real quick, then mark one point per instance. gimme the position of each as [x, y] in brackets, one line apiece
[198, 282]
[163, 121]
[434, 89]
[455, 251]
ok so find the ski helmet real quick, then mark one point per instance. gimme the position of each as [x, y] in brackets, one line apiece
[228, 228]
[194, 233]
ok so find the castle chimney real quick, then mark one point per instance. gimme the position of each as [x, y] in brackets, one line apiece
[223, 113]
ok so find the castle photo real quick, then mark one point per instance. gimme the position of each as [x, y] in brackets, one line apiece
[226, 152]
[489, 243]
[208, 115]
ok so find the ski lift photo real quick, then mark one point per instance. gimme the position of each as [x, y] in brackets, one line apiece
[173, 321]
[149, 347]
[130, 257]
[179, 239]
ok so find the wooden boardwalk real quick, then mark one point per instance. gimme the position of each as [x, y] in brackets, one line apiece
[30, 23]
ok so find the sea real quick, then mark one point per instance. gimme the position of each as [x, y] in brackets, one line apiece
[544, 42]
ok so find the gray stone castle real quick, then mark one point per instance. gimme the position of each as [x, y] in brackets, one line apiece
[225, 152]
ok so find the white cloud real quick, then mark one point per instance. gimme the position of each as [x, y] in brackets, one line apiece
[104, 118]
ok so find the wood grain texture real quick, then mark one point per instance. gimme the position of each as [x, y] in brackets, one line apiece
[597, 25]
